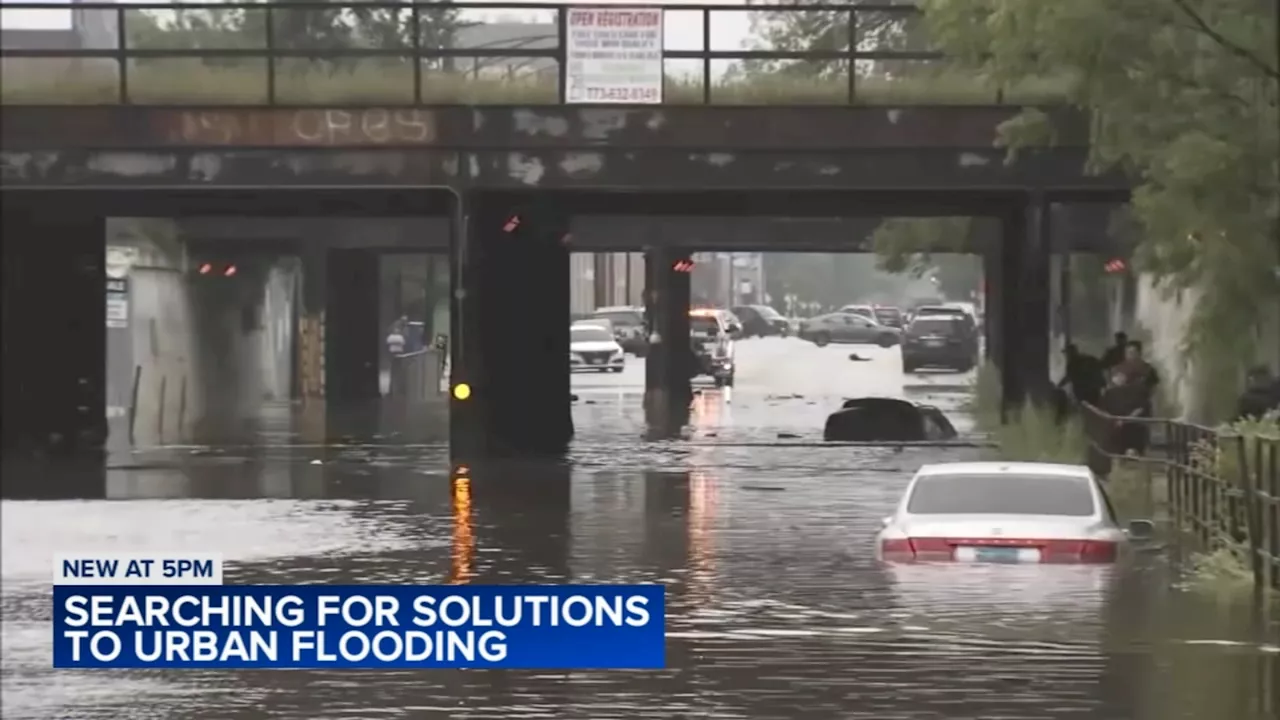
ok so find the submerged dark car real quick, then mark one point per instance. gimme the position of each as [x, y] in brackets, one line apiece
[941, 341]
[887, 420]
[761, 321]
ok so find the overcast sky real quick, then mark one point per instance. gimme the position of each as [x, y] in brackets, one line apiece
[729, 30]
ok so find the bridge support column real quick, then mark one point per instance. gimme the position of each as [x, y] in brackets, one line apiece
[993, 285]
[352, 336]
[511, 329]
[1025, 301]
[54, 330]
[667, 389]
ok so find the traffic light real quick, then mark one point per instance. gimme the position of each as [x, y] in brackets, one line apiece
[1115, 265]
[683, 266]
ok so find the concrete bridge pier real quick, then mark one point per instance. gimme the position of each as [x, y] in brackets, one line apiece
[1025, 288]
[667, 389]
[352, 340]
[54, 333]
[993, 302]
[511, 329]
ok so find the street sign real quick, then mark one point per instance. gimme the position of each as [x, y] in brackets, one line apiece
[614, 55]
[117, 302]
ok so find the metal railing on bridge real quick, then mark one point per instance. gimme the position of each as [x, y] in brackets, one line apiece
[383, 53]
[1223, 488]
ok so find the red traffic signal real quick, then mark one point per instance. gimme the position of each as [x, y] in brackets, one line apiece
[512, 223]
[683, 266]
[209, 268]
[1115, 265]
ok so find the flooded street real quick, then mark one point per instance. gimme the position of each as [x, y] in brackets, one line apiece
[776, 608]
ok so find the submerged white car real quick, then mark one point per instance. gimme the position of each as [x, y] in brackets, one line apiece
[1006, 512]
[592, 347]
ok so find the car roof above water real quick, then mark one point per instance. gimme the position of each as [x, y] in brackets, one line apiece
[1062, 470]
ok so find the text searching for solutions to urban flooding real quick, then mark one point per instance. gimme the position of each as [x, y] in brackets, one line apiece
[373, 625]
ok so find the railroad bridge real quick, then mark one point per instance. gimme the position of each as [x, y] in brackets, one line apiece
[507, 188]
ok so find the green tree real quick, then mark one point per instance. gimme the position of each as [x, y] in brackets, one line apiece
[941, 248]
[1183, 95]
[342, 26]
[794, 31]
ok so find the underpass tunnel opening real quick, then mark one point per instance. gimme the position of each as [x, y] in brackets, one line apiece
[263, 331]
[125, 329]
[1023, 271]
[200, 333]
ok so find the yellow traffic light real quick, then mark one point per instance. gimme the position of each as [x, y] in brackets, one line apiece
[462, 391]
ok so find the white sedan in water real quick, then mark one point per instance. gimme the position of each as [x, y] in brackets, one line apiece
[1006, 512]
[592, 347]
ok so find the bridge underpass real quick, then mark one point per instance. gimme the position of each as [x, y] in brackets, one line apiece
[516, 369]
[479, 167]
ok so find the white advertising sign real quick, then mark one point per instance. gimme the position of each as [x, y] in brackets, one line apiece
[117, 312]
[614, 55]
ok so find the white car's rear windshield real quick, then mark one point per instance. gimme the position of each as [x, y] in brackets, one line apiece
[588, 333]
[1001, 495]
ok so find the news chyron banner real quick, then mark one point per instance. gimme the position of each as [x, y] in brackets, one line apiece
[173, 611]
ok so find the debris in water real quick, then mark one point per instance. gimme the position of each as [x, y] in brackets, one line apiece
[316, 462]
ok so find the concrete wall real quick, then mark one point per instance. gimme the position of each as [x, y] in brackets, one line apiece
[276, 321]
[153, 358]
[204, 354]
[617, 291]
[1165, 318]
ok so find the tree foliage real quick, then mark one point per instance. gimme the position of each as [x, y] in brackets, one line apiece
[829, 30]
[1183, 95]
[345, 25]
[931, 247]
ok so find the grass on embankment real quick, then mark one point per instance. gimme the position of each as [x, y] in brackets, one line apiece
[1136, 489]
[244, 82]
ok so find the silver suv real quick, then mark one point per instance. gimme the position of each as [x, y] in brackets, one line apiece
[628, 327]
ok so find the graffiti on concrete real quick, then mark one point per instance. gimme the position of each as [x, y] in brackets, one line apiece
[307, 128]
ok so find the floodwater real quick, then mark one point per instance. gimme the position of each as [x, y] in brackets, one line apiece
[775, 606]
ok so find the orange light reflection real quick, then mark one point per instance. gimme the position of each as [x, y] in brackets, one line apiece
[702, 517]
[464, 541]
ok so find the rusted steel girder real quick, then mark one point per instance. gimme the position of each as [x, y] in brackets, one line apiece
[488, 127]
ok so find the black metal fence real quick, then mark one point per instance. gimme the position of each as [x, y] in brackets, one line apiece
[388, 53]
[1223, 488]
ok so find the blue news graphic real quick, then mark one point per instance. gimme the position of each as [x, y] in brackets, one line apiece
[583, 627]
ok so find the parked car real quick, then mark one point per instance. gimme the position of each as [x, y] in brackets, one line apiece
[1006, 512]
[628, 327]
[761, 321]
[711, 332]
[844, 327]
[593, 348]
[866, 311]
[889, 316]
[944, 341]
[947, 311]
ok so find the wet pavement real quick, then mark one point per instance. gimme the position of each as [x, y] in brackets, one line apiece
[776, 608]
